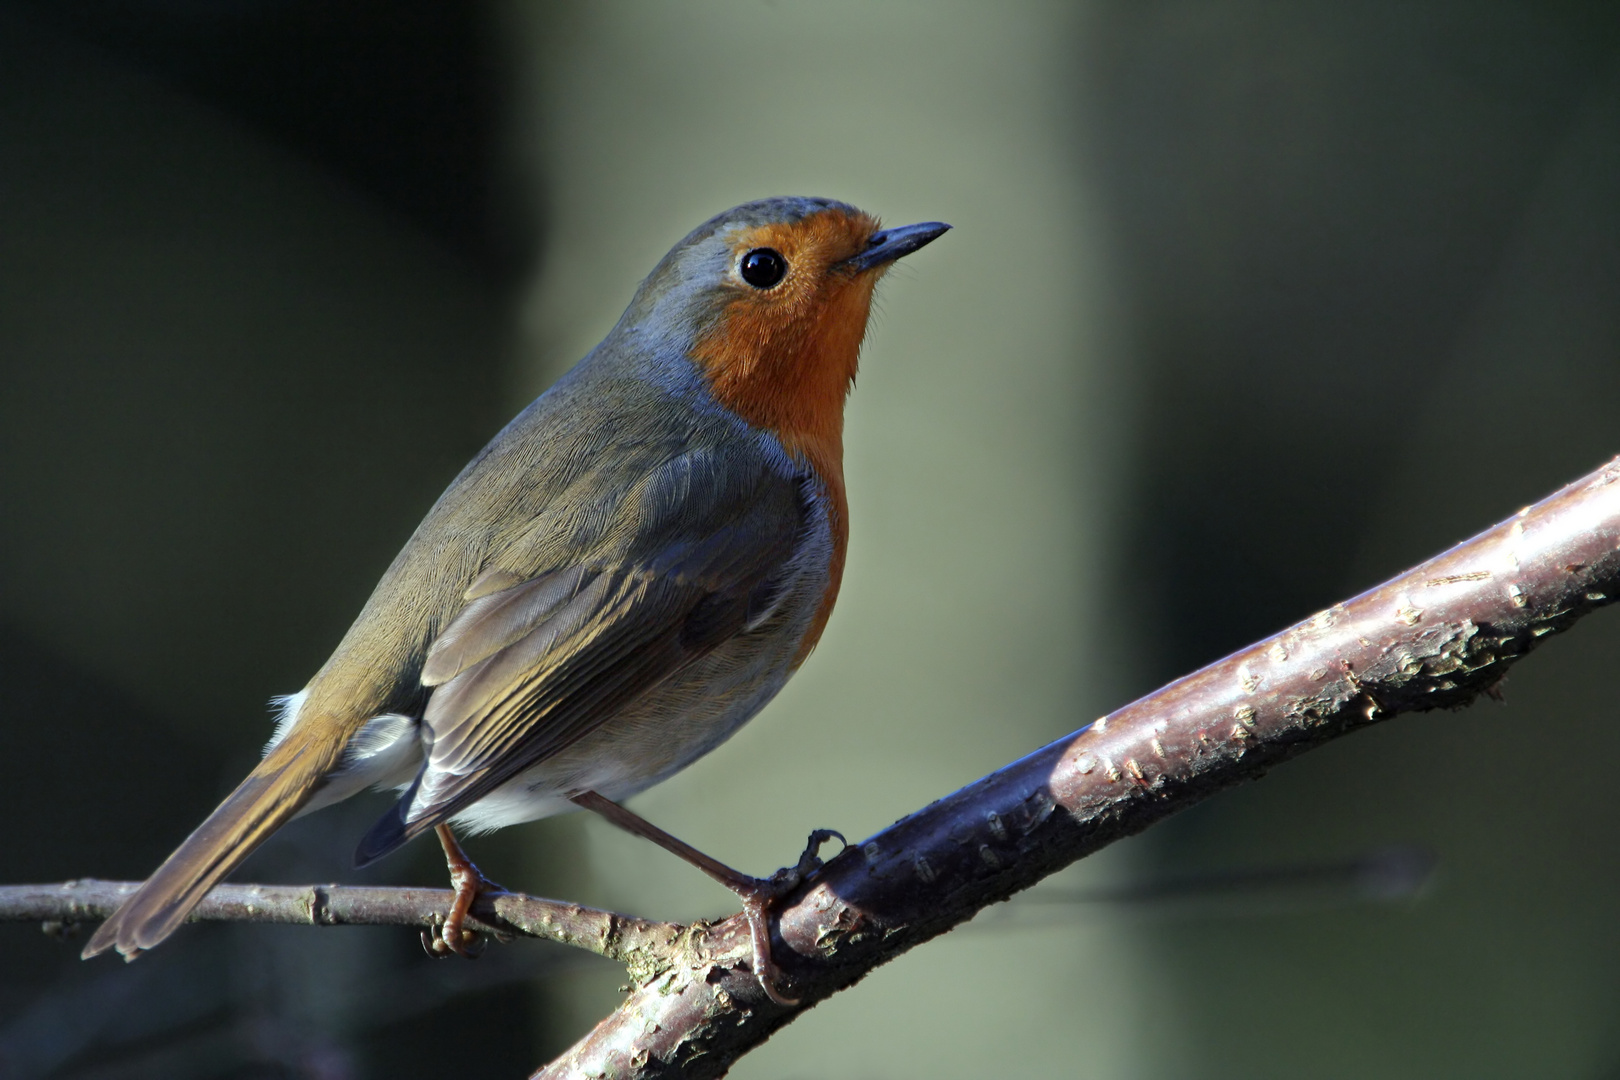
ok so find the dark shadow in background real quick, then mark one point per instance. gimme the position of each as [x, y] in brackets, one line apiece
[403, 100]
[255, 272]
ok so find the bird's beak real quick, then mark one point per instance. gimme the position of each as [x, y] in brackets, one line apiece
[887, 245]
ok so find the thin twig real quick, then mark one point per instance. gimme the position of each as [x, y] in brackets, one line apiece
[638, 943]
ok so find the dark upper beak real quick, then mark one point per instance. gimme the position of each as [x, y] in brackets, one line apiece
[887, 245]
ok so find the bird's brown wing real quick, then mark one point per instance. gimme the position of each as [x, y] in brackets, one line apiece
[528, 669]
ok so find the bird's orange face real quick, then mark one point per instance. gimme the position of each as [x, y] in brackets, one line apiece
[780, 343]
[783, 350]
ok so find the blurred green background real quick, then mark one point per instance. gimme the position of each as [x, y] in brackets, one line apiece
[1248, 305]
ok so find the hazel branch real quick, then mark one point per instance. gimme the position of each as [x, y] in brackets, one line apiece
[1434, 637]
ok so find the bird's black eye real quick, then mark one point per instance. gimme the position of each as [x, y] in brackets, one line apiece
[763, 267]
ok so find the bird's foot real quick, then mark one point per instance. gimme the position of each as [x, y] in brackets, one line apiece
[760, 897]
[452, 936]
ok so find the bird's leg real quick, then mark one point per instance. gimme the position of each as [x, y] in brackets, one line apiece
[468, 881]
[758, 895]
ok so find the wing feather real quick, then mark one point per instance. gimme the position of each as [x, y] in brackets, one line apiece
[492, 621]
[524, 671]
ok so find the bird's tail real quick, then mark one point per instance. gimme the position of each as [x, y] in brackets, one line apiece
[271, 794]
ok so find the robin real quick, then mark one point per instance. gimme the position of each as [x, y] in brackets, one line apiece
[621, 579]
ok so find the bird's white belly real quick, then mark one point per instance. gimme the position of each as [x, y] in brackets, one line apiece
[667, 730]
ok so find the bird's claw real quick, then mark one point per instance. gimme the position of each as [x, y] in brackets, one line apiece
[434, 944]
[759, 896]
[452, 936]
[762, 896]
[810, 859]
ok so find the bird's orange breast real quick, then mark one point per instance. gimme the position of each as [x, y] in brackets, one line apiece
[784, 359]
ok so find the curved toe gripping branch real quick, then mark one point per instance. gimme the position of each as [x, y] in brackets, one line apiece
[468, 883]
[760, 896]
